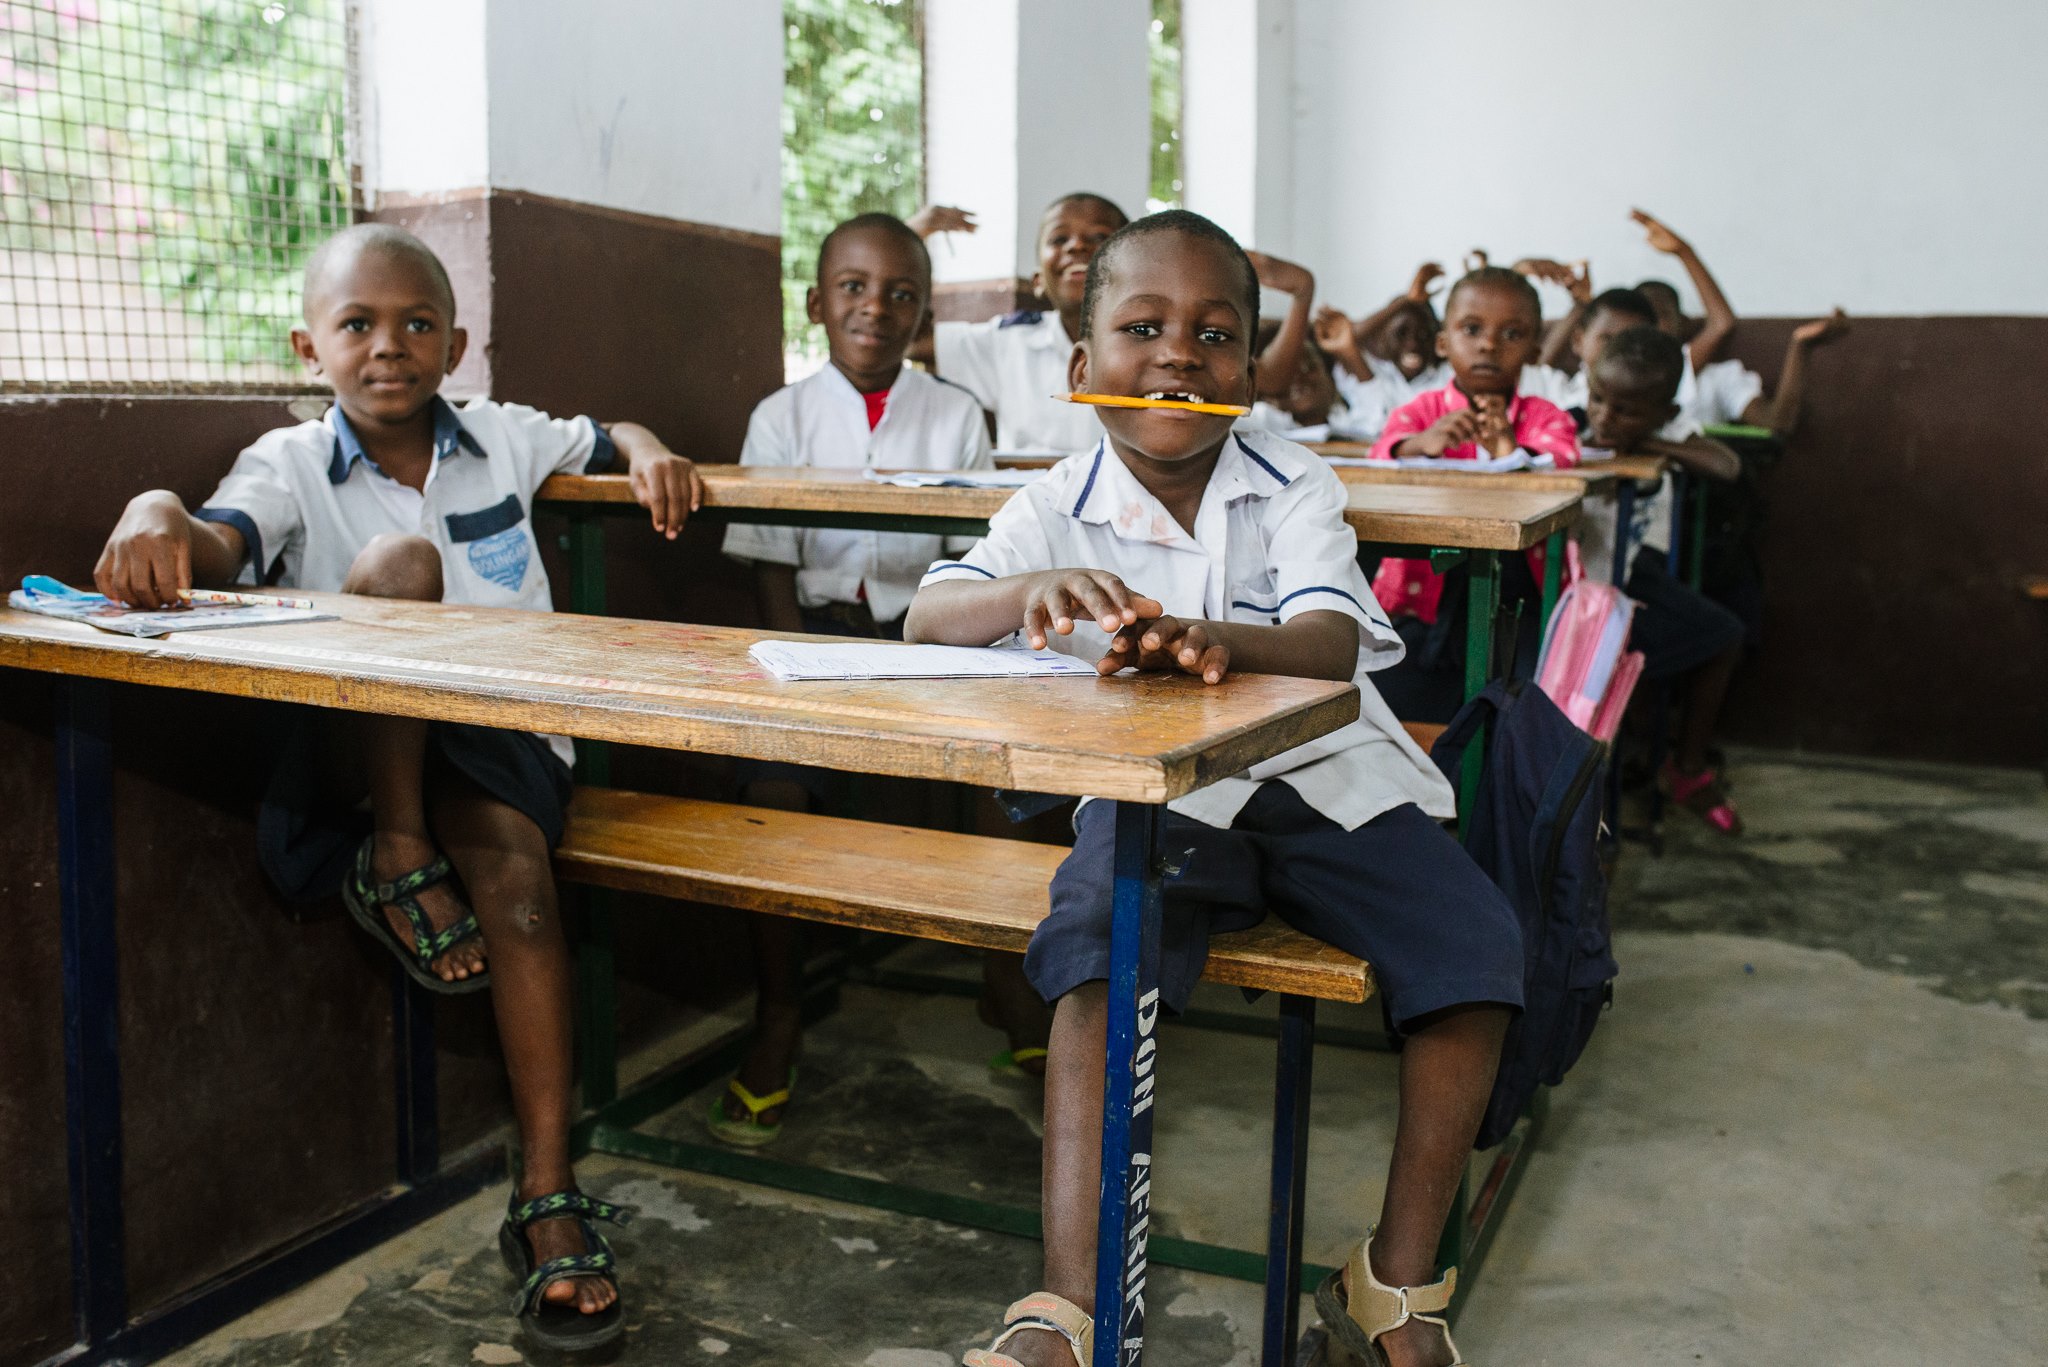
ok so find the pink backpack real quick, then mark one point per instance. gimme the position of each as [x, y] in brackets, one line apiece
[1586, 666]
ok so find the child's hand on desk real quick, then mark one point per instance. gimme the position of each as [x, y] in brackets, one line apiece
[665, 484]
[1495, 433]
[149, 556]
[1167, 643]
[1453, 429]
[1055, 599]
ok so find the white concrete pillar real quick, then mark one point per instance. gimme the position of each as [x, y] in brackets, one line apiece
[1026, 100]
[1237, 125]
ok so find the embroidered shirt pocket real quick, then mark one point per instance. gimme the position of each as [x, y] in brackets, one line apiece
[496, 541]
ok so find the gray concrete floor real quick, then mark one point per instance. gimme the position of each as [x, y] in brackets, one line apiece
[1812, 1130]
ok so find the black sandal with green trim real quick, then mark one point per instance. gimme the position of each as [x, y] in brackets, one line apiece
[551, 1324]
[367, 898]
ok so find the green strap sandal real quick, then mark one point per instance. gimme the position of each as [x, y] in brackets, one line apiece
[367, 898]
[551, 1324]
[750, 1133]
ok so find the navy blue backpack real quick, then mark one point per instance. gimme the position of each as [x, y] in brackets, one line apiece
[1535, 831]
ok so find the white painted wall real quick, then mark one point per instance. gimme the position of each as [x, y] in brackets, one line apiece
[425, 118]
[664, 107]
[1237, 117]
[1026, 100]
[1885, 156]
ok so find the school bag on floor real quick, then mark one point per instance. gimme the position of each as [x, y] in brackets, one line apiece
[1586, 666]
[1533, 829]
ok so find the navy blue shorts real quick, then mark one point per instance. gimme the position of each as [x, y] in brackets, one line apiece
[1677, 628]
[1398, 892]
[828, 789]
[313, 820]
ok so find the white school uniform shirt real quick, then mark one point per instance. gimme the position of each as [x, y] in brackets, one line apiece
[1370, 402]
[307, 499]
[1014, 365]
[1270, 542]
[1650, 519]
[822, 422]
[1719, 392]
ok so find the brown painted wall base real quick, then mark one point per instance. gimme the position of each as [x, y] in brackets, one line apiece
[975, 301]
[1906, 509]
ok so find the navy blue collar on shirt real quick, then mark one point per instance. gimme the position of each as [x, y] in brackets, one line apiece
[449, 436]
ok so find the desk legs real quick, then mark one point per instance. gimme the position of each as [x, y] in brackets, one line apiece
[92, 1048]
[1129, 1078]
[1290, 1180]
[1624, 518]
[1482, 602]
[1553, 576]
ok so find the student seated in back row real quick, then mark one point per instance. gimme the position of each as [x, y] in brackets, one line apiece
[1176, 544]
[1383, 360]
[397, 494]
[864, 410]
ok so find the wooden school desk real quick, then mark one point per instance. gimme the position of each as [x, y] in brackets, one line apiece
[1445, 525]
[647, 683]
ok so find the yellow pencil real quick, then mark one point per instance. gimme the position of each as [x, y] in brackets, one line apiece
[1228, 410]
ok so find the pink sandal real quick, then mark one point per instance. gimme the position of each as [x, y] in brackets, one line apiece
[1703, 793]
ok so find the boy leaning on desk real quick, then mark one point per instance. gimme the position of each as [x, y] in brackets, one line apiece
[1176, 544]
[397, 494]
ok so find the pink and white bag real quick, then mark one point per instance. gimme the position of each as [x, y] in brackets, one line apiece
[1586, 666]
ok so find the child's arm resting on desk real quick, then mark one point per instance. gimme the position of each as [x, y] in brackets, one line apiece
[157, 548]
[1700, 455]
[1313, 645]
[978, 612]
[665, 484]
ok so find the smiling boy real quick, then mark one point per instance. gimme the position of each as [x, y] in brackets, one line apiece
[1178, 545]
[395, 493]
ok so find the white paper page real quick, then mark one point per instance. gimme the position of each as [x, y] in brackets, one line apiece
[1485, 465]
[955, 479]
[793, 660]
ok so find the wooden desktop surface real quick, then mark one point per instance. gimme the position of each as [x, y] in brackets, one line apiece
[1459, 517]
[1140, 739]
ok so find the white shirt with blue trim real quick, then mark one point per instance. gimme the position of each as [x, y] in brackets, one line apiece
[1270, 543]
[1370, 402]
[308, 499]
[822, 421]
[1014, 365]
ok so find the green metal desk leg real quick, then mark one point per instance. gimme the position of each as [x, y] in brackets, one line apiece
[1553, 575]
[596, 965]
[1696, 544]
[1482, 601]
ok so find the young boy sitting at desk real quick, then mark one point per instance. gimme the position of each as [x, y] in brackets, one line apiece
[864, 410]
[397, 494]
[1179, 545]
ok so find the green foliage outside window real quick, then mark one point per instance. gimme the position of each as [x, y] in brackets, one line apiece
[1165, 190]
[191, 149]
[852, 132]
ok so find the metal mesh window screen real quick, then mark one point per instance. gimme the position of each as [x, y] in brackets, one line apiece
[166, 166]
[852, 134]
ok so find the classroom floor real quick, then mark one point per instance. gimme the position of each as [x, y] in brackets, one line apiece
[1810, 1131]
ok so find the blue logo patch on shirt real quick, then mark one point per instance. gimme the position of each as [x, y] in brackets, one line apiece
[503, 557]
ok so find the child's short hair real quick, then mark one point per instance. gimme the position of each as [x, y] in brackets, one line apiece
[1630, 303]
[887, 223]
[1644, 360]
[1103, 202]
[1498, 277]
[383, 239]
[1185, 224]
[1660, 293]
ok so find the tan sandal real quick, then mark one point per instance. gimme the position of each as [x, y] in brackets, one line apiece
[1039, 1310]
[1375, 1309]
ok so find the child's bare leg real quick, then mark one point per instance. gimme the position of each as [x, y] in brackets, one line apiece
[778, 979]
[503, 860]
[1703, 699]
[394, 756]
[1447, 1069]
[1073, 1163]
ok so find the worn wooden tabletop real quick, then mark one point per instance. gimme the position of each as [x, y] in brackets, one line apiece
[1454, 516]
[1141, 739]
[1592, 473]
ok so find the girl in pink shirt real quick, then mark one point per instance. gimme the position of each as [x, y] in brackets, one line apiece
[1493, 325]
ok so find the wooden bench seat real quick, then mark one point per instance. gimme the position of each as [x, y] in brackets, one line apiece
[932, 885]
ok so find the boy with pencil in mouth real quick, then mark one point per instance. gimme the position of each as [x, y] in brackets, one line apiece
[395, 493]
[1179, 545]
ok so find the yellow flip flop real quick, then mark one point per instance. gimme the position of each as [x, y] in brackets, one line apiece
[750, 1133]
[1010, 1063]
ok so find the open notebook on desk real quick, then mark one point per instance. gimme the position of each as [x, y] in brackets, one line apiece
[798, 660]
[955, 479]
